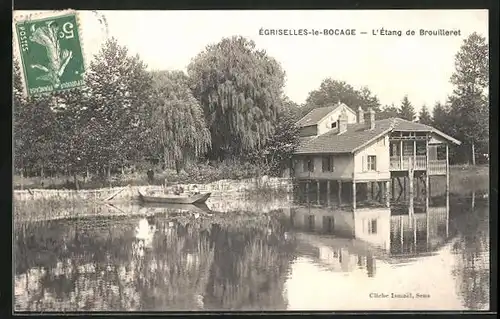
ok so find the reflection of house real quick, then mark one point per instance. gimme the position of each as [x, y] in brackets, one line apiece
[368, 224]
[321, 220]
[342, 240]
[401, 233]
[373, 226]
[336, 254]
[420, 232]
[339, 144]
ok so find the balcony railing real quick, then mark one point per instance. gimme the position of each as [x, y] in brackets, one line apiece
[398, 163]
[437, 167]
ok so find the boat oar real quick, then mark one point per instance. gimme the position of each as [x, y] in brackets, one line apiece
[116, 193]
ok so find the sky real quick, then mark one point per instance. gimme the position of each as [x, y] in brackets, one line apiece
[390, 66]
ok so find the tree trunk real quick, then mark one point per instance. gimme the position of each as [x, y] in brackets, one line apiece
[473, 154]
[177, 167]
[109, 175]
[77, 187]
[22, 177]
[41, 172]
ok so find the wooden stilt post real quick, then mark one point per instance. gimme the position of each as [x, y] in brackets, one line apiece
[318, 191]
[401, 154]
[380, 192]
[430, 188]
[447, 214]
[354, 194]
[414, 234]
[307, 191]
[414, 153]
[339, 192]
[473, 201]
[401, 232]
[417, 185]
[427, 196]
[328, 192]
[447, 172]
[404, 187]
[427, 192]
[387, 195]
[410, 180]
[393, 193]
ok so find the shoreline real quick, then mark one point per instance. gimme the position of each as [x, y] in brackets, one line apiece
[221, 187]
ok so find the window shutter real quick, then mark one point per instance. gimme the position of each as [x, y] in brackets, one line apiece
[363, 166]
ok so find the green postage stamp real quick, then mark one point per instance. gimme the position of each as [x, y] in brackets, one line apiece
[51, 52]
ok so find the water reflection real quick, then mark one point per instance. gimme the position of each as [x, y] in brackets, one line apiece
[417, 252]
[173, 259]
[255, 257]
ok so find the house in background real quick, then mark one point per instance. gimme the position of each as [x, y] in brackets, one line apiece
[354, 149]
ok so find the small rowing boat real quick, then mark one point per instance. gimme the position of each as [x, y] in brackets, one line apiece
[175, 199]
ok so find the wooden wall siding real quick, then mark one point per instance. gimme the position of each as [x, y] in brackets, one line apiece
[380, 149]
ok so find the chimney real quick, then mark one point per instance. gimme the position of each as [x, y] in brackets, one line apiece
[361, 115]
[371, 119]
[343, 121]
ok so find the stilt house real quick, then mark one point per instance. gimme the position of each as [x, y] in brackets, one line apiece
[350, 147]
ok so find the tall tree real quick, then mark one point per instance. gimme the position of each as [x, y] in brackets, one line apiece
[332, 91]
[424, 116]
[119, 92]
[289, 108]
[470, 101]
[177, 123]
[388, 111]
[240, 89]
[32, 127]
[369, 100]
[406, 110]
[440, 117]
[18, 123]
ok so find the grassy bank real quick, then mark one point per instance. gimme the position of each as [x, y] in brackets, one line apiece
[192, 174]
[464, 180]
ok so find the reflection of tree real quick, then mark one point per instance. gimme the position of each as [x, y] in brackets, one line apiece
[89, 264]
[174, 274]
[472, 251]
[249, 268]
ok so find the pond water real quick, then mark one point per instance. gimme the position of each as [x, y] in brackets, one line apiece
[236, 254]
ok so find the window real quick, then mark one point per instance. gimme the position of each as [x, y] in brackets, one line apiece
[308, 165]
[407, 148]
[372, 226]
[328, 164]
[421, 148]
[334, 124]
[372, 162]
[394, 149]
[310, 222]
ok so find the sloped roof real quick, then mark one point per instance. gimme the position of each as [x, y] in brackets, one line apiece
[408, 126]
[316, 115]
[357, 136]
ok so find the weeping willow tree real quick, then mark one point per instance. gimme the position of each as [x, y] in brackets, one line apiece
[240, 90]
[250, 266]
[177, 123]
